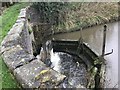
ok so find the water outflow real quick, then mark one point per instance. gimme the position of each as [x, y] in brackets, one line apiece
[55, 59]
[94, 36]
[66, 64]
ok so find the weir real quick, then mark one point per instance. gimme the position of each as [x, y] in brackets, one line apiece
[66, 56]
[77, 65]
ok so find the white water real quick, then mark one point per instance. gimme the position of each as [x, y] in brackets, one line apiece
[63, 63]
[55, 59]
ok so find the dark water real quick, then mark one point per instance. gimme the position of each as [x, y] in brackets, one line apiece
[66, 64]
[94, 37]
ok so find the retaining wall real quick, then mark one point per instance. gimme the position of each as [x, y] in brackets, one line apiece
[16, 51]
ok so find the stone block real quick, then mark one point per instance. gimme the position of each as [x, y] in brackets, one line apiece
[17, 28]
[15, 56]
[22, 13]
[11, 40]
[37, 75]
[20, 20]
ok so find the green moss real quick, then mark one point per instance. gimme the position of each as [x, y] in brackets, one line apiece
[99, 60]
[30, 31]
[92, 72]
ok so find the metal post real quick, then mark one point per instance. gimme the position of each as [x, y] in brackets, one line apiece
[104, 40]
[80, 42]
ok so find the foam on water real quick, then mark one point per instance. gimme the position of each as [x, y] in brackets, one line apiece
[55, 59]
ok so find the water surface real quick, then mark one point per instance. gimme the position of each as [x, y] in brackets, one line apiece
[94, 37]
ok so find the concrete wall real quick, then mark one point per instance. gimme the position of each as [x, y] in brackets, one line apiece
[16, 51]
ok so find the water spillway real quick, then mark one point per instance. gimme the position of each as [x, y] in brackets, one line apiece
[76, 63]
[76, 72]
[93, 36]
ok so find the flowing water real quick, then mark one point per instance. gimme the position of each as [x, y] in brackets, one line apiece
[66, 64]
[94, 37]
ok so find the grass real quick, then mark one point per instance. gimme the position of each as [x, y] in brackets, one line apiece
[86, 14]
[7, 20]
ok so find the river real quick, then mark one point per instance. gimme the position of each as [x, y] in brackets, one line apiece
[94, 37]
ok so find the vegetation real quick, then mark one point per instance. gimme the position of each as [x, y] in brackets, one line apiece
[62, 17]
[75, 15]
[51, 12]
[7, 20]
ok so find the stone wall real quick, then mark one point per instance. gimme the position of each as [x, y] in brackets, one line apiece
[17, 53]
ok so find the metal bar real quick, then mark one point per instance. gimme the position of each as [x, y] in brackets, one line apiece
[104, 40]
[109, 53]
